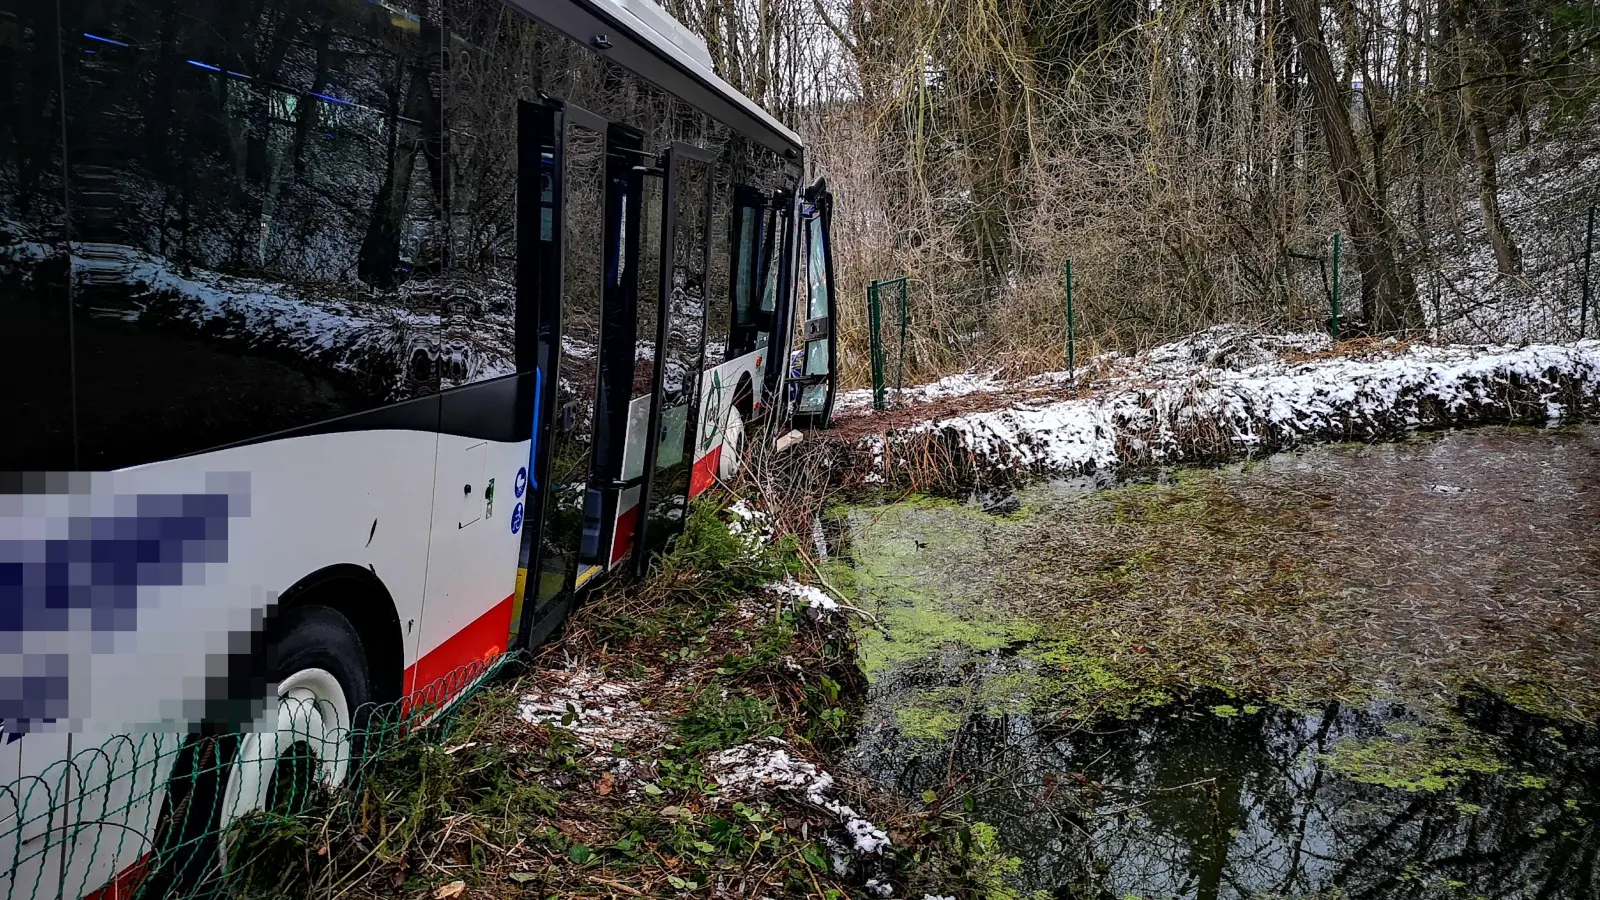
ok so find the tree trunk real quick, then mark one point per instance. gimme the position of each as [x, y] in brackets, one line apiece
[1506, 254]
[1388, 295]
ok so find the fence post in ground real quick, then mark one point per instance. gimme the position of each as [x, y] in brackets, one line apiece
[905, 313]
[875, 340]
[1072, 337]
[1335, 320]
[1588, 257]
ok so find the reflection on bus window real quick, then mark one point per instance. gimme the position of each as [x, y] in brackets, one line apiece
[815, 397]
[816, 294]
[771, 263]
[256, 221]
[682, 356]
[570, 509]
[744, 333]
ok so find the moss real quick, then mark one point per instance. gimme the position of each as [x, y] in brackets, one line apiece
[927, 723]
[920, 628]
[1416, 758]
[1224, 711]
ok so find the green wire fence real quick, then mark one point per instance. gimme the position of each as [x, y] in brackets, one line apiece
[162, 815]
[898, 291]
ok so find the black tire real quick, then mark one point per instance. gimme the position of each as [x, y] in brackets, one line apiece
[320, 637]
[188, 829]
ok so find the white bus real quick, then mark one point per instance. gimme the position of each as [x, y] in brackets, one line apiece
[329, 324]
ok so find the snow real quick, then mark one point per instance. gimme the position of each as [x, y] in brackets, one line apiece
[950, 386]
[1225, 392]
[599, 713]
[1546, 188]
[767, 767]
[804, 595]
[751, 526]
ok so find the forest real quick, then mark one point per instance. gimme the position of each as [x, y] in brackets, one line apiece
[1192, 158]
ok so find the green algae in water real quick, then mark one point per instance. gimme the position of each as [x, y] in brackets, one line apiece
[898, 553]
[1414, 758]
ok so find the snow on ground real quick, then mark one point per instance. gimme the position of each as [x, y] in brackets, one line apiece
[599, 713]
[1546, 188]
[1228, 392]
[751, 526]
[804, 595]
[949, 386]
[767, 767]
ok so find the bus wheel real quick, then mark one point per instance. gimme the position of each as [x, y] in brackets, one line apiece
[732, 445]
[309, 745]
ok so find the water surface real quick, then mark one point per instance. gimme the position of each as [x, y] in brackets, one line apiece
[1349, 672]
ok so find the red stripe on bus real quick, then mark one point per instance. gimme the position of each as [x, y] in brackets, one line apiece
[479, 642]
[627, 523]
[705, 472]
[125, 884]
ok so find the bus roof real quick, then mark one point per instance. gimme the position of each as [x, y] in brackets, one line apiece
[656, 28]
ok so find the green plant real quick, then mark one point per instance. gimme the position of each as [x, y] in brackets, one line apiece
[714, 723]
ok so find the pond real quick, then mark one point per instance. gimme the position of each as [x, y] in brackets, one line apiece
[1353, 671]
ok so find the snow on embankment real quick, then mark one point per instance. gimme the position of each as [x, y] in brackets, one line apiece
[1188, 402]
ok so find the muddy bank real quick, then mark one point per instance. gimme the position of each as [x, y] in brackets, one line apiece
[1222, 394]
[1352, 670]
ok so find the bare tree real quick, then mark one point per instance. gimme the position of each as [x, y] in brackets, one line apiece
[1388, 293]
[1470, 55]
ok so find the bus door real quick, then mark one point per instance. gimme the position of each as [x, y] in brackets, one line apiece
[685, 265]
[812, 369]
[777, 296]
[563, 207]
[629, 351]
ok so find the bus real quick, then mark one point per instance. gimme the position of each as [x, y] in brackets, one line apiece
[348, 344]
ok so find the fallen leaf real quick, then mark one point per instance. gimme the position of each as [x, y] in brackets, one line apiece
[604, 787]
[523, 877]
[453, 889]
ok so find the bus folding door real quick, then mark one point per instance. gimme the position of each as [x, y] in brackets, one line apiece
[633, 309]
[681, 335]
[564, 508]
[812, 372]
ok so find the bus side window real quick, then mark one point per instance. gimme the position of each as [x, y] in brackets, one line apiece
[265, 252]
[749, 296]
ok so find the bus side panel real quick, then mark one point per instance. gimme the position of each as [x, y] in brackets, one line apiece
[266, 521]
[117, 802]
[718, 392]
[32, 848]
[480, 494]
[472, 561]
[273, 513]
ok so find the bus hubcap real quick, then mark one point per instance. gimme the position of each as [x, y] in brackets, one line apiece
[307, 743]
[732, 446]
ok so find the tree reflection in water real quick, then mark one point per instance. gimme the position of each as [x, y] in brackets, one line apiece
[1186, 803]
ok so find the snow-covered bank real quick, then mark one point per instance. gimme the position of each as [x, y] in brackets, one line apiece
[1223, 393]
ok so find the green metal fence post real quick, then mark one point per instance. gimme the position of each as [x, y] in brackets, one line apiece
[875, 340]
[1588, 257]
[1072, 337]
[1335, 320]
[905, 313]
